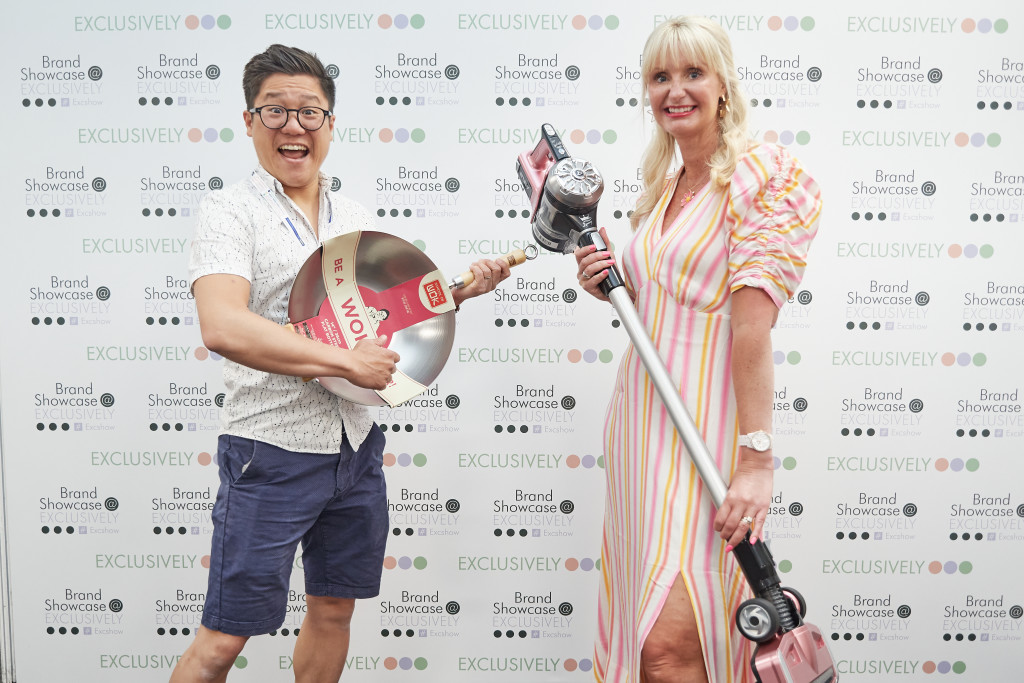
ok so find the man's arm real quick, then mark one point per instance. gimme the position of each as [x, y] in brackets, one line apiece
[232, 330]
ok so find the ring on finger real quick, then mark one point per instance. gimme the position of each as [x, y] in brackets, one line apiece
[584, 275]
[748, 520]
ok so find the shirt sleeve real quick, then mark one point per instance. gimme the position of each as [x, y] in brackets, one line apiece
[774, 207]
[224, 240]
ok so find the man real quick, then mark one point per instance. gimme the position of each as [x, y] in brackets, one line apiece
[297, 464]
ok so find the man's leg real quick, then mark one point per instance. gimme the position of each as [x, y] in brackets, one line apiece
[209, 658]
[322, 645]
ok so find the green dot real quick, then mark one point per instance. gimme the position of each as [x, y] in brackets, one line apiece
[417, 21]
[807, 23]
[959, 667]
[420, 663]
[224, 21]
[597, 565]
[610, 136]
[241, 662]
[600, 462]
[789, 463]
[979, 359]
[606, 356]
[420, 562]
[803, 137]
[418, 135]
[420, 244]
[966, 567]
[972, 465]
[793, 357]
[611, 22]
[986, 251]
[785, 566]
[419, 460]
[227, 135]
[993, 139]
[1000, 25]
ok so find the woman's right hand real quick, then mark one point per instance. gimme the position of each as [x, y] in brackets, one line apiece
[593, 267]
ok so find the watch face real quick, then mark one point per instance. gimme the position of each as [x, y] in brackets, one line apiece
[760, 441]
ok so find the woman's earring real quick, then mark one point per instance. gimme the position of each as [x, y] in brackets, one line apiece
[723, 107]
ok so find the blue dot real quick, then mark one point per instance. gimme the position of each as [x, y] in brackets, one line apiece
[944, 666]
[404, 562]
[586, 564]
[586, 665]
[970, 250]
[401, 21]
[404, 459]
[590, 355]
[778, 357]
[593, 137]
[588, 461]
[786, 137]
[791, 23]
[208, 21]
[956, 464]
[984, 26]
[595, 22]
[405, 663]
[402, 135]
[978, 139]
[210, 135]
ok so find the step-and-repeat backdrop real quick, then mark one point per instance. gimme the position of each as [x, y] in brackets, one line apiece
[898, 504]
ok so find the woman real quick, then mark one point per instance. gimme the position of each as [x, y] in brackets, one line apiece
[719, 247]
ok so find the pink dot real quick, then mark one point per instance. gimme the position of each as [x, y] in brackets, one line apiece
[968, 25]
[961, 139]
[577, 136]
[573, 461]
[575, 356]
[191, 22]
[390, 562]
[579, 22]
[771, 136]
[928, 667]
[204, 459]
[942, 464]
[195, 135]
[570, 665]
[386, 135]
[390, 663]
[774, 23]
[948, 359]
[201, 353]
[955, 251]
[935, 567]
[389, 459]
[205, 561]
[572, 564]
[384, 21]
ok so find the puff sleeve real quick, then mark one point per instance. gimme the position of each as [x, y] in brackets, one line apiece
[774, 207]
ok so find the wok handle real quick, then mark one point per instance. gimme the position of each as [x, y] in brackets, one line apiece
[513, 258]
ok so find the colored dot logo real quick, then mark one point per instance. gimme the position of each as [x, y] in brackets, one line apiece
[207, 22]
[590, 356]
[943, 667]
[405, 663]
[964, 359]
[405, 562]
[586, 462]
[977, 139]
[210, 134]
[784, 358]
[593, 136]
[595, 22]
[787, 137]
[584, 665]
[203, 353]
[984, 25]
[957, 465]
[402, 135]
[788, 464]
[790, 23]
[401, 21]
[583, 564]
[971, 251]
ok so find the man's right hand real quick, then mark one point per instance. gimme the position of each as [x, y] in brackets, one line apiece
[373, 364]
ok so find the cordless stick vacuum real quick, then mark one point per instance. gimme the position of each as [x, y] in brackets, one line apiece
[564, 192]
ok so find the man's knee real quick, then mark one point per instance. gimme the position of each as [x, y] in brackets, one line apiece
[329, 612]
[212, 652]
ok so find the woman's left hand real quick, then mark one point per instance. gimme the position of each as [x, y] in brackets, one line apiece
[486, 276]
[749, 495]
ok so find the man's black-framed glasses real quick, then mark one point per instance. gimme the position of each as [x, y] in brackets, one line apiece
[274, 116]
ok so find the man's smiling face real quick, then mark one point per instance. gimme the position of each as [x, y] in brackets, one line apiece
[291, 154]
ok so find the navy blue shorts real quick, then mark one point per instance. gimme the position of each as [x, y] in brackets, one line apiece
[269, 501]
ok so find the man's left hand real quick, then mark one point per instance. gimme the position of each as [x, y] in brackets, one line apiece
[486, 276]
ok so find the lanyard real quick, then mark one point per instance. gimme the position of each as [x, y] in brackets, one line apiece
[275, 204]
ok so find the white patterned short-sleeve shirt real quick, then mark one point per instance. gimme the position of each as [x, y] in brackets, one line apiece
[238, 233]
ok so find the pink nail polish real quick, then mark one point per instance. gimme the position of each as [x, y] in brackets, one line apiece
[753, 540]
[728, 548]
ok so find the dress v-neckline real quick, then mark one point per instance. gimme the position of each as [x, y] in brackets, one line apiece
[663, 230]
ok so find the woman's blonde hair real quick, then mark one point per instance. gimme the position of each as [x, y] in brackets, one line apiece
[706, 43]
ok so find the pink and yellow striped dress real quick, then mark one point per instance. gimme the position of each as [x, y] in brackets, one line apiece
[658, 518]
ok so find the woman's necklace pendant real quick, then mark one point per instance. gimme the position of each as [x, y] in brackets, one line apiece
[687, 196]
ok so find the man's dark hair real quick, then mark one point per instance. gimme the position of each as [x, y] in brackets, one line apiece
[278, 59]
